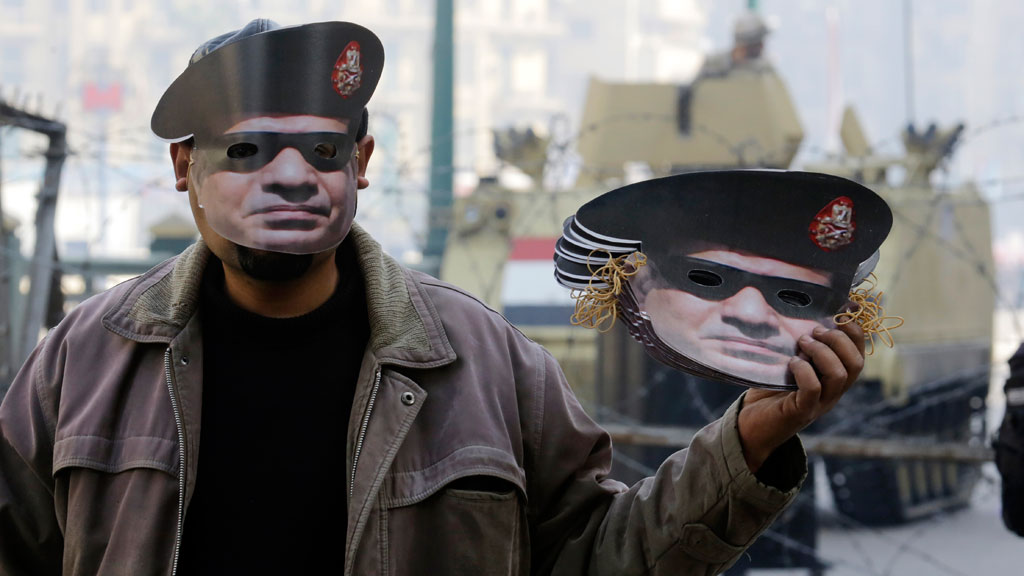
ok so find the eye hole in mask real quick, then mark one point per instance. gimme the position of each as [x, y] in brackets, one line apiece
[794, 298]
[704, 278]
[326, 150]
[242, 150]
[715, 282]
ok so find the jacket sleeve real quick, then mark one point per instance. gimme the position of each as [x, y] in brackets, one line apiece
[1009, 447]
[31, 541]
[696, 515]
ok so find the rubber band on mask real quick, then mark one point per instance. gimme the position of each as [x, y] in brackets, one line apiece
[870, 315]
[597, 305]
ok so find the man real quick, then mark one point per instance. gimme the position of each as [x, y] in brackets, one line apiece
[749, 34]
[1009, 447]
[254, 407]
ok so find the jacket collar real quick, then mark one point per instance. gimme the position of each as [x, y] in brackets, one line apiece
[405, 329]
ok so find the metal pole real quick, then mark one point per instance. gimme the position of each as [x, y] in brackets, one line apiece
[6, 346]
[43, 262]
[908, 58]
[101, 179]
[442, 139]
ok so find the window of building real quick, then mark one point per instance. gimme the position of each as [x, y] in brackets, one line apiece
[679, 9]
[529, 72]
[529, 10]
[581, 29]
[465, 66]
[12, 65]
[492, 8]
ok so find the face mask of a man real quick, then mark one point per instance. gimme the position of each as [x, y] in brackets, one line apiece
[281, 184]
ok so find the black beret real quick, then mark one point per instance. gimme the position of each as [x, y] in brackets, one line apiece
[327, 69]
[813, 220]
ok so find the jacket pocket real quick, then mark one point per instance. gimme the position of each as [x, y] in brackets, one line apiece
[473, 524]
[117, 503]
[115, 455]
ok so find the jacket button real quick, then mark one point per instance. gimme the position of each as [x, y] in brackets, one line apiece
[184, 360]
[408, 398]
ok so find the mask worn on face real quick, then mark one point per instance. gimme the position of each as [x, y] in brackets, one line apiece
[251, 190]
[249, 151]
[257, 197]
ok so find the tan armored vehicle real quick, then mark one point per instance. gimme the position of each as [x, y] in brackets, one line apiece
[937, 272]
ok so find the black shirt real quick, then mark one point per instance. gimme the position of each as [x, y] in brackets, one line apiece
[271, 486]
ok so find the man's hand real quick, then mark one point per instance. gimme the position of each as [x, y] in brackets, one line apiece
[769, 418]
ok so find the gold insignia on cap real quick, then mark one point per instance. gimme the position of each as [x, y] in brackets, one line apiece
[833, 226]
[348, 70]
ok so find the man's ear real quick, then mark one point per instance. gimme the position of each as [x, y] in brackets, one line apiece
[181, 155]
[365, 148]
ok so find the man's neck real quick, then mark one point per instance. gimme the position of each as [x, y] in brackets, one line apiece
[283, 299]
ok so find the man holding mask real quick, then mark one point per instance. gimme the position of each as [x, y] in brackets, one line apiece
[283, 396]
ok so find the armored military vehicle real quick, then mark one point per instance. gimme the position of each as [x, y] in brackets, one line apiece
[935, 271]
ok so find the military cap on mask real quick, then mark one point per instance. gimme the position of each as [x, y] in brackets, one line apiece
[327, 69]
[814, 235]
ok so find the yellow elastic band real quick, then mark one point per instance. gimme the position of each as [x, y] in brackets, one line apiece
[598, 307]
[870, 315]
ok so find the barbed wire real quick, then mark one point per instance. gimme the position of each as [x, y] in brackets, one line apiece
[405, 166]
[882, 420]
[786, 541]
[964, 251]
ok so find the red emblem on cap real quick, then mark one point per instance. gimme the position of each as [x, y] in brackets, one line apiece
[833, 227]
[348, 70]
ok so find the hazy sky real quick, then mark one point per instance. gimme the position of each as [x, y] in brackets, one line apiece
[965, 58]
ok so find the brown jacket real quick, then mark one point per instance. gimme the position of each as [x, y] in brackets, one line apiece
[467, 452]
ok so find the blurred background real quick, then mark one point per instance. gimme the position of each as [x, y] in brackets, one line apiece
[495, 119]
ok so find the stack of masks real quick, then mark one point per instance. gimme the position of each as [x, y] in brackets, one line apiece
[720, 273]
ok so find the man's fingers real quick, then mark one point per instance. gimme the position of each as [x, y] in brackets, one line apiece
[825, 367]
[830, 369]
[848, 347]
[808, 394]
[856, 334]
[825, 359]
